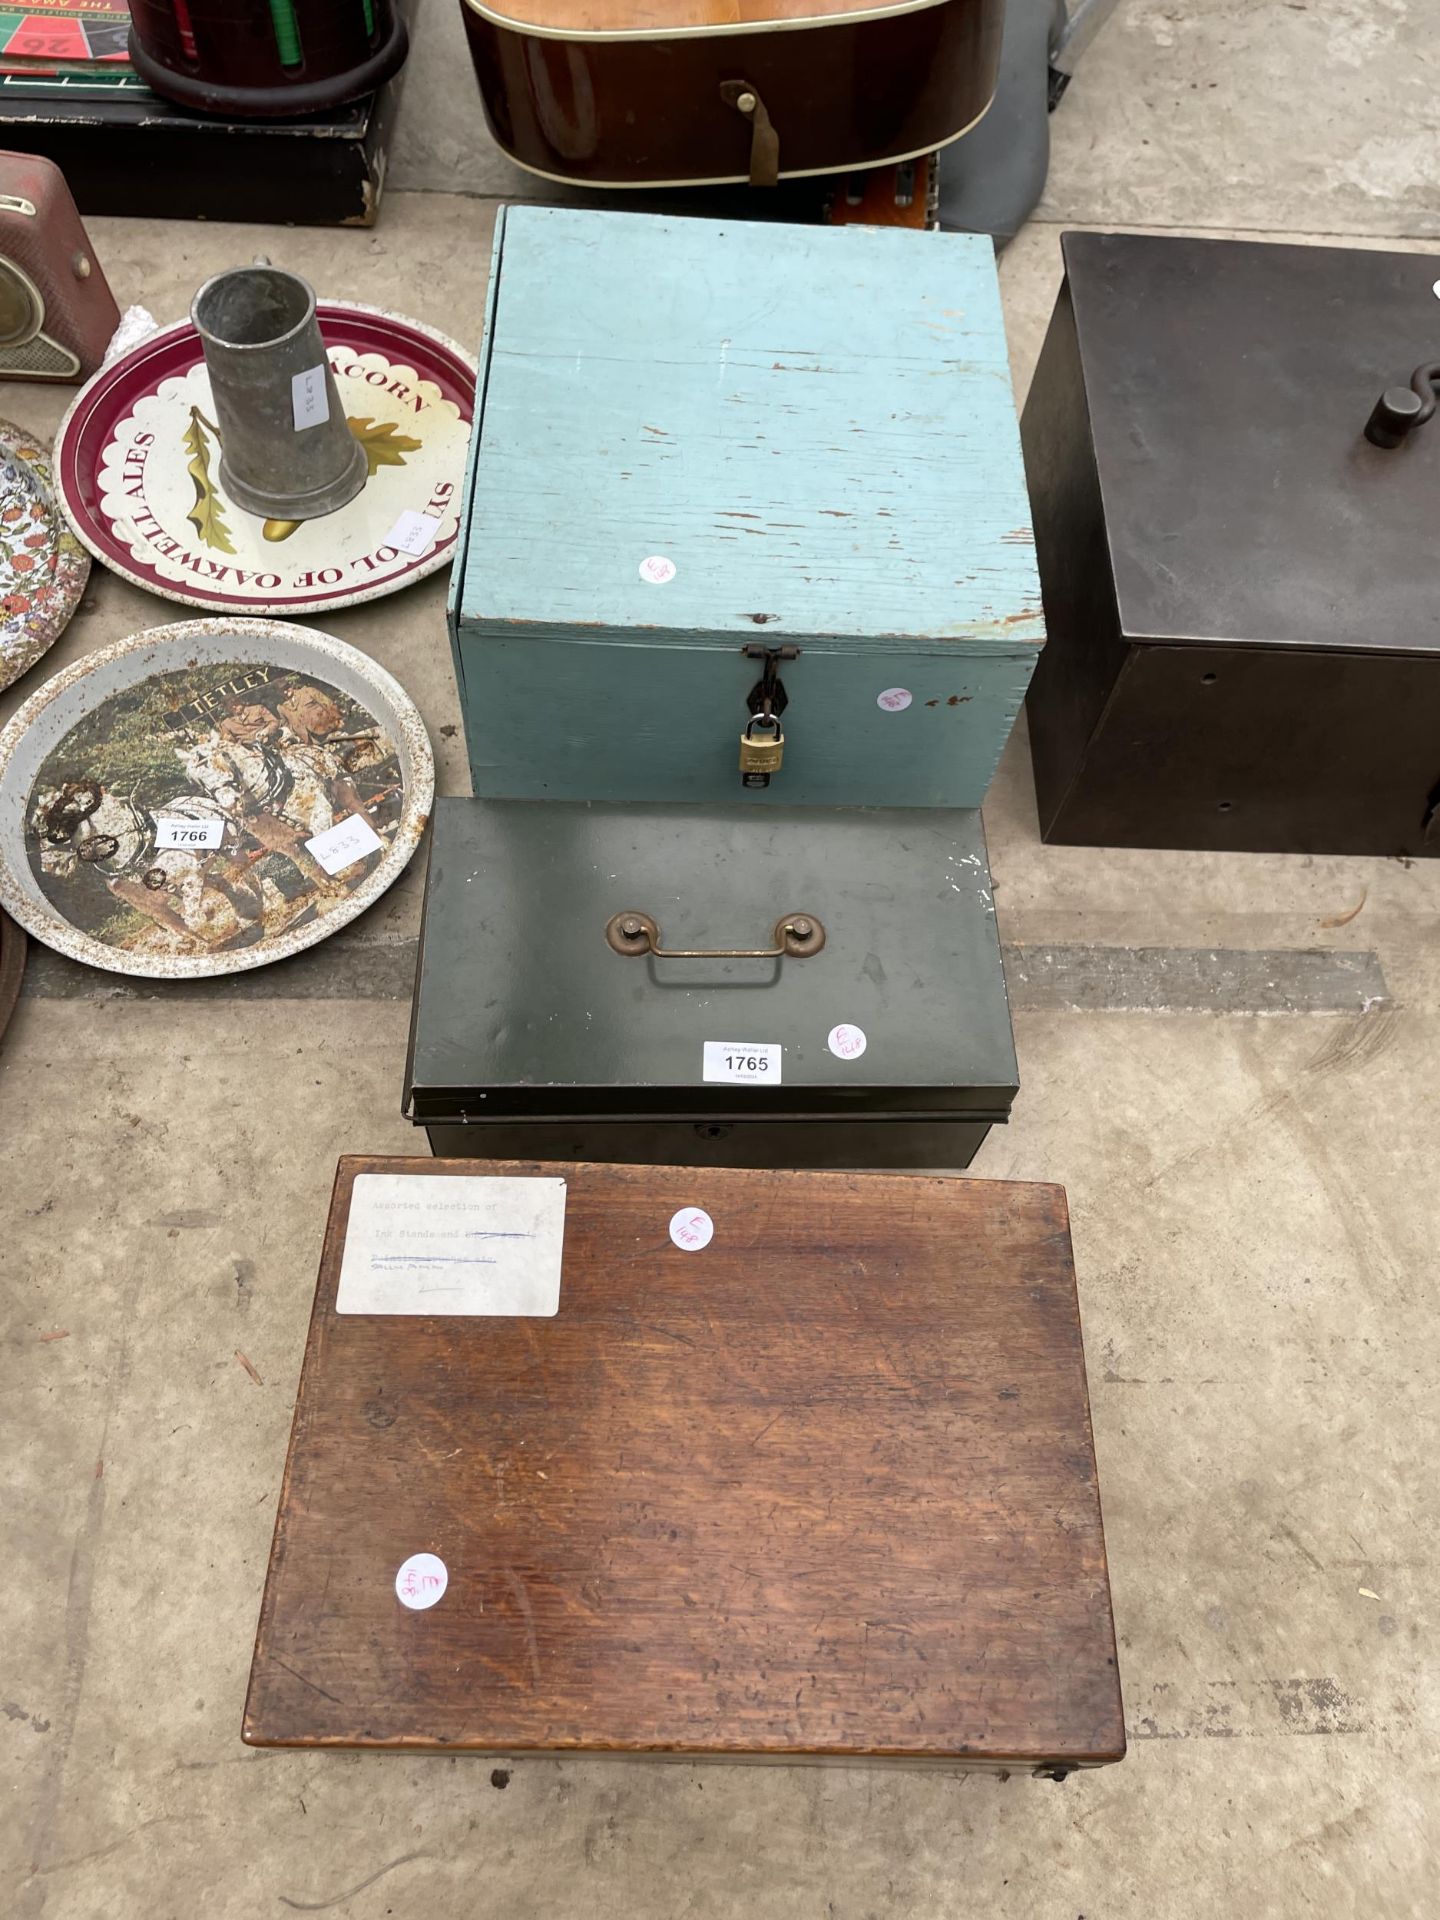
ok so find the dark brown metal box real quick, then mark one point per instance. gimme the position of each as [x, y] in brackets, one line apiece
[1241, 591]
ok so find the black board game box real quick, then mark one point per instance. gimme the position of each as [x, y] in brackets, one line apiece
[67, 91]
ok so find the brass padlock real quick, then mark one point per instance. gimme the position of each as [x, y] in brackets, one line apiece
[760, 758]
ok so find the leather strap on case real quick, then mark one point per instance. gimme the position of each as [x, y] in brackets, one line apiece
[764, 140]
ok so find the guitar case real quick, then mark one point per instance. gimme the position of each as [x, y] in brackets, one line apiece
[991, 179]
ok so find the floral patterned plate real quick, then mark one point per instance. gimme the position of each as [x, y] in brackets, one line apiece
[137, 466]
[43, 567]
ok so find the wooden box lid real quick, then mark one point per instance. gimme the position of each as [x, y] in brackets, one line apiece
[814, 427]
[823, 1487]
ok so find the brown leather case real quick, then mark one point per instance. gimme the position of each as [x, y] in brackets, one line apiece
[57, 313]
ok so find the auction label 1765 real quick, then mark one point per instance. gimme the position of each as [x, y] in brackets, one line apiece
[746, 1063]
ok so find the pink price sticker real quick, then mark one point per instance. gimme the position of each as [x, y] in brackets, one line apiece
[894, 699]
[656, 570]
[691, 1229]
[421, 1581]
[847, 1043]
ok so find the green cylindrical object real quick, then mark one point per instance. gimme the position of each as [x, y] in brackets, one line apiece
[287, 32]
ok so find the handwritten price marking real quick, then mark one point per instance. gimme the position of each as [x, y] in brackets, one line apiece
[421, 1581]
[413, 533]
[340, 846]
[691, 1229]
[309, 399]
[846, 1042]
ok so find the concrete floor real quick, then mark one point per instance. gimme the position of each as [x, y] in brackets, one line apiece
[1254, 1229]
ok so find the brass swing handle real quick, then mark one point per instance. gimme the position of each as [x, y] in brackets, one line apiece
[796, 935]
[764, 140]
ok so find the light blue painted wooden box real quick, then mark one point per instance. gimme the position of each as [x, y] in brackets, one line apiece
[695, 437]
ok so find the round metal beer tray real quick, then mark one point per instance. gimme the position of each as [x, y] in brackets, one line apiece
[43, 567]
[12, 968]
[137, 465]
[208, 797]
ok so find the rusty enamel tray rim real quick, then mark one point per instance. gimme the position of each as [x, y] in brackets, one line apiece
[243, 639]
[13, 946]
[110, 394]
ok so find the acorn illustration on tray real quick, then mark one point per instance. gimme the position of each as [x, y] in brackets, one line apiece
[270, 453]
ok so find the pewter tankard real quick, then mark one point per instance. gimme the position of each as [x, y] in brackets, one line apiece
[287, 452]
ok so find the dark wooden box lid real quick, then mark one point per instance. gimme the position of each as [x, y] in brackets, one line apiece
[521, 1008]
[1228, 384]
[824, 1488]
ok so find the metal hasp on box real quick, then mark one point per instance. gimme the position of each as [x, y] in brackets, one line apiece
[1240, 585]
[544, 1024]
[817, 1484]
[715, 462]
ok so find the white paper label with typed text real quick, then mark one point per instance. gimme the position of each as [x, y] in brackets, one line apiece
[464, 1245]
[743, 1063]
[189, 833]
